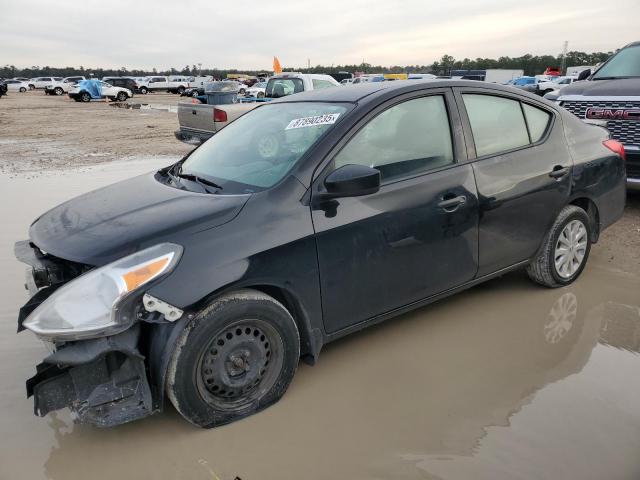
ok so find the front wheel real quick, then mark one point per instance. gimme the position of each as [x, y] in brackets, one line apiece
[85, 97]
[122, 96]
[180, 90]
[564, 251]
[23, 89]
[144, 90]
[235, 358]
[58, 91]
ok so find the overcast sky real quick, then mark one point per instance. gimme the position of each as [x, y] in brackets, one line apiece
[247, 33]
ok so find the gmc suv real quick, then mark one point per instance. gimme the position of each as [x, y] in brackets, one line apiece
[610, 97]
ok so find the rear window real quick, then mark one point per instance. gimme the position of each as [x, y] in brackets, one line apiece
[281, 87]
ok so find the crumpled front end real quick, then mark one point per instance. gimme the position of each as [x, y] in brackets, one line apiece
[104, 379]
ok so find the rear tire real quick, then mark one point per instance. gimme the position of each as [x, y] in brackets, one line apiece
[564, 251]
[180, 90]
[144, 90]
[23, 89]
[235, 358]
[58, 91]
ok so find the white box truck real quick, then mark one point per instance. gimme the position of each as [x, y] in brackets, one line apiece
[502, 76]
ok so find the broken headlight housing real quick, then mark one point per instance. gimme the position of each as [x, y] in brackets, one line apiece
[102, 301]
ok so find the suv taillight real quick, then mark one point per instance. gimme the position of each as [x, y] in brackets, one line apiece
[615, 147]
[219, 115]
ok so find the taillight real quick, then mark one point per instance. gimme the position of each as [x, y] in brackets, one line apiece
[615, 147]
[219, 115]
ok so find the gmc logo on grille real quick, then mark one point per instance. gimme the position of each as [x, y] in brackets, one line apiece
[612, 113]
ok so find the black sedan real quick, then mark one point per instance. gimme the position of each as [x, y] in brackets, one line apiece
[304, 220]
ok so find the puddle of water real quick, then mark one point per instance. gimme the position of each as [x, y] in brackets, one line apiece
[507, 380]
[145, 106]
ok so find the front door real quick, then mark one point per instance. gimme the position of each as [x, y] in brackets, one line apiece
[415, 237]
[522, 171]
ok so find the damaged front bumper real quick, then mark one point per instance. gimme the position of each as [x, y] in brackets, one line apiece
[102, 381]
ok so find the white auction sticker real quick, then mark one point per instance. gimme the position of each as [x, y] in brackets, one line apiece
[327, 119]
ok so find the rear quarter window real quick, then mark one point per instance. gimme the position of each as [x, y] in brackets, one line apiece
[538, 121]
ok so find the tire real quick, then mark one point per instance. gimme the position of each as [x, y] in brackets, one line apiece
[144, 90]
[180, 90]
[85, 97]
[122, 97]
[23, 89]
[241, 91]
[194, 93]
[548, 267]
[58, 91]
[31, 86]
[260, 95]
[260, 344]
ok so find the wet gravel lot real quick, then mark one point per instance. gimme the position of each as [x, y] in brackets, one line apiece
[507, 380]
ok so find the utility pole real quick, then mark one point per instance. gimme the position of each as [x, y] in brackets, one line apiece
[199, 69]
[308, 63]
[564, 57]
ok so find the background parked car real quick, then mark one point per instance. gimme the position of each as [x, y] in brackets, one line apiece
[62, 87]
[124, 82]
[87, 90]
[257, 90]
[16, 85]
[42, 82]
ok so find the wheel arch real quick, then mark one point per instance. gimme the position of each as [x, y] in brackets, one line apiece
[589, 206]
[161, 339]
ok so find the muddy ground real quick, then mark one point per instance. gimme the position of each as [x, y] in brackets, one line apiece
[505, 381]
[39, 131]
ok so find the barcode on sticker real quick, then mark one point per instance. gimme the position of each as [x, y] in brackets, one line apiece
[327, 119]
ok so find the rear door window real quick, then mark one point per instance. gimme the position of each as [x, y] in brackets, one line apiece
[497, 123]
[405, 140]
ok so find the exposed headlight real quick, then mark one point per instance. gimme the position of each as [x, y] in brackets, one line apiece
[102, 301]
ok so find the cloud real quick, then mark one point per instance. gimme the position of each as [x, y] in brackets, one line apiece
[247, 33]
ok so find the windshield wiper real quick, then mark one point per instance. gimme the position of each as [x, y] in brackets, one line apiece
[197, 179]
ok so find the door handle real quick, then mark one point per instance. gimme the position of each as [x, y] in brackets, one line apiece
[451, 204]
[558, 171]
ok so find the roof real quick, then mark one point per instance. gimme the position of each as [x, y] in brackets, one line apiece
[356, 93]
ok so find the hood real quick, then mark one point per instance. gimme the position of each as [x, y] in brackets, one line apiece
[623, 87]
[101, 226]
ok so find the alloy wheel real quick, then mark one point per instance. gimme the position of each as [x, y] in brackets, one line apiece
[570, 249]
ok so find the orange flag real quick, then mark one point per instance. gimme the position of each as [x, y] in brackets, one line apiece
[276, 66]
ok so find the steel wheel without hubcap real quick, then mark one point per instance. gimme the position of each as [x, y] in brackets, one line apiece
[570, 249]
[240, 364]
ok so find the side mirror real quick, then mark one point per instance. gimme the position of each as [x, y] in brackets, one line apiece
[584, 74]
[351, 181]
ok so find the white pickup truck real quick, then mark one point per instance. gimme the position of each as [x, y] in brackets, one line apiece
[199, 121]
[165, 84]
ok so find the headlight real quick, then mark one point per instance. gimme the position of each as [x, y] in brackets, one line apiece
[102, 301]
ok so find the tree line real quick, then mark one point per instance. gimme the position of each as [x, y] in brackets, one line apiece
[531, 64]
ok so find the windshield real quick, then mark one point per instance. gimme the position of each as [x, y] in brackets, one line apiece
[625, 63]
[257, 150]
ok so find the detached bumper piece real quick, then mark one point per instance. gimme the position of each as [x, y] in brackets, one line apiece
[103, 381]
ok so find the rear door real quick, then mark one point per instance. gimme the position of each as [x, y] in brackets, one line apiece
[416, 236]
[522, 168]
